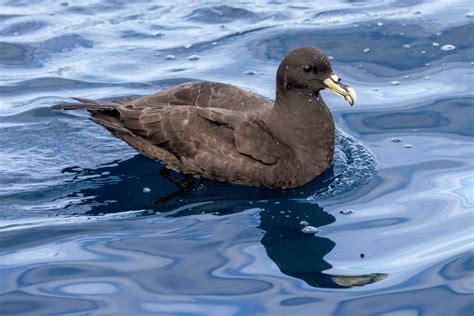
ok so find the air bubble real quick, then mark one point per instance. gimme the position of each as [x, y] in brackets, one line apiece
[304, 223]
[367, 50]
[406, 46]
[408, 146]
[334, 21]
[346, 212]
[435, 44]
[193, 57]
[309, 230]
[146, 190]
[394, 83]
[406, 77]
[170, 57]
[188, 46]
[379, 24]
[470, 14]
[448, 48]
[250, 72]
[396, 139]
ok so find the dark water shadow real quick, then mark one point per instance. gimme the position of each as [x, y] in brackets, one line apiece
[119, 187]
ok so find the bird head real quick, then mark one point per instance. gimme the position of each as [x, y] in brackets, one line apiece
[308, 68]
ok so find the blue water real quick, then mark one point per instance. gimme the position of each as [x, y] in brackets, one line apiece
[78, 234]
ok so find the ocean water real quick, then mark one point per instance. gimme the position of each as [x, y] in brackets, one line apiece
[80, 235]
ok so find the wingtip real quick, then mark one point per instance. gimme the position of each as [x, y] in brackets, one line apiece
[66, 106]
[83, 104]
[83, 100]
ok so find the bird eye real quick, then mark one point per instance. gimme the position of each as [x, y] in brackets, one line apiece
[307, 68]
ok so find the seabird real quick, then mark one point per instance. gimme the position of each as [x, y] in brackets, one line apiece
[222, 132]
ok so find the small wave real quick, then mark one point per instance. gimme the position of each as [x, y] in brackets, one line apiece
[23, 28]
[335, 16]
[64, 43]
[221, 14]
[34, 54]
[48, 84]
[15, 54]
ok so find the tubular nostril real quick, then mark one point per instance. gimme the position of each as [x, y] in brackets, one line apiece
[335, 78]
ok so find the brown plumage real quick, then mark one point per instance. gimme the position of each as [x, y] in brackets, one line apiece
[225, 133]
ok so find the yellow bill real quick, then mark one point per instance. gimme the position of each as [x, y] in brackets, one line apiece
[346, 92]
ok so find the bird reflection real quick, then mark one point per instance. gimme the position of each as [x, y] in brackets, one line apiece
[302, 255]
[119, 187]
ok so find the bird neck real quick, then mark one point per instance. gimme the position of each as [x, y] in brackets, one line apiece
[296, 99]
[302, 120]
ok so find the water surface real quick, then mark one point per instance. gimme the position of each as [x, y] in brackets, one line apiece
[394, 213]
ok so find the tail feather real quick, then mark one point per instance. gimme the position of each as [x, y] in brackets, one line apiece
[86, 104]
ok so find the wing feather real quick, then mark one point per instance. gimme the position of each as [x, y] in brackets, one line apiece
[252, 137]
